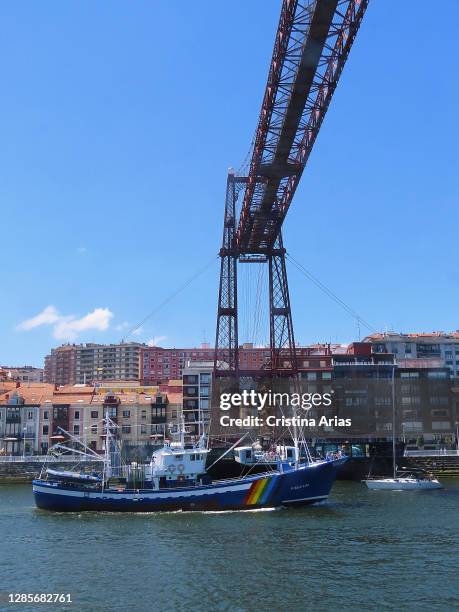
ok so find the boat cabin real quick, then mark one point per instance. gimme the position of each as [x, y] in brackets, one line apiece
[177, 466]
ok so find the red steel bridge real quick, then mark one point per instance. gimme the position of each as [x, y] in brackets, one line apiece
[312, 44]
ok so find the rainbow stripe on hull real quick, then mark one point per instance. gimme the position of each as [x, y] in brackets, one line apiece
[260, 491]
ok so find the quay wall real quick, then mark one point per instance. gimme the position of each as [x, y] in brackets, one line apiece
[26, 471]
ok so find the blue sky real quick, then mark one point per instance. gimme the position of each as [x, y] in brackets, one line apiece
[119, 121]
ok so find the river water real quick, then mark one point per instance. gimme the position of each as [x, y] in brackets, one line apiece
[362, 549]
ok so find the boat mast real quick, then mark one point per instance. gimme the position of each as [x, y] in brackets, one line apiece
[394, 462]
[106, 473]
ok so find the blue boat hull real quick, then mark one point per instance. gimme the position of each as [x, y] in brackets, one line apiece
[306, 485]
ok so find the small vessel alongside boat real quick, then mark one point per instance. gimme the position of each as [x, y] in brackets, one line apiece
[69, 476]
[253, 455]
[253, 459]
[176, 479]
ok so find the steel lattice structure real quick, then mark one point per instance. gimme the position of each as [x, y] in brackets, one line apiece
[312, 45]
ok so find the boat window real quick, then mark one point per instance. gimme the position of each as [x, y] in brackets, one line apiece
[248, 454]
[289, 452]
[178, 457]
[192, 457]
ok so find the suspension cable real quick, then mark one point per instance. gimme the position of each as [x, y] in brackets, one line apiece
[172, 295]
[310, 276]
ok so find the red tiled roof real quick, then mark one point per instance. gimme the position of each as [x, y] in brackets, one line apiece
[31, 393]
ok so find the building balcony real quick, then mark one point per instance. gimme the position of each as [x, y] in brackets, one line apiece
[27, 435]
[156, 420]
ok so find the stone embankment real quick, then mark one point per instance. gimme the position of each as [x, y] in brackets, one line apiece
[25, 471]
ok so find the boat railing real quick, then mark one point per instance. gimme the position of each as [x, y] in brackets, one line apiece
[441, 452]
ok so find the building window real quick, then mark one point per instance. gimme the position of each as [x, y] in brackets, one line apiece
[174, 414]
[76, 429]
[441, 425]
[30, 415]
[94, 429]
[126, 429]
[45, 430]
[439, 413]
[77, 415]
[143, 429]
[439, 400]
[45, 415]
[126, 414]
[94, 414]
[190, 379]
[144, 414]
[326, 375]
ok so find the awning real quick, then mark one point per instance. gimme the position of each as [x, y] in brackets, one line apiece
[58, 437]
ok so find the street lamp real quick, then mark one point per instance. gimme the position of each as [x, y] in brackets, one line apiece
[23, 443]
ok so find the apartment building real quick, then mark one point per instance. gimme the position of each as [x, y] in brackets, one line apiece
[85, 363]
[197, 392]
[22, 373]
[441, 347]
[20, 418]
[33, 418]
[365, 383]
[108, 362]
[60, 365]
[161, 364]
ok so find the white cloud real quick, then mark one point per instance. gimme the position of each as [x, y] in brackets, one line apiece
[68, 327]
[122, 326]
[156, 340]
[47, 316]
[137, 331]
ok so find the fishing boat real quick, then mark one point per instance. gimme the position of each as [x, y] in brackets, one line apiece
[176, 479]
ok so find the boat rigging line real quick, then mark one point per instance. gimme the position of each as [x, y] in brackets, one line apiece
[172, 295]
[310, 276]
